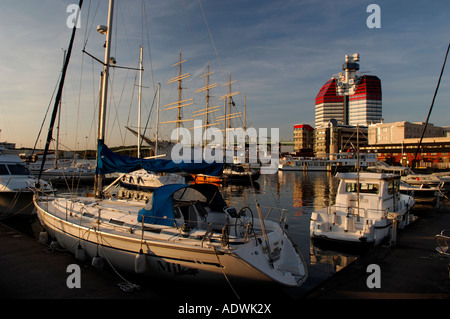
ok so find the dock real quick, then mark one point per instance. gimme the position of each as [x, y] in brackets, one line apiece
[412, 269]
[32, 270]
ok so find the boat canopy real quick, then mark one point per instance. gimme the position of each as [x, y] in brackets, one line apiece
[161, 210]
[110, 162]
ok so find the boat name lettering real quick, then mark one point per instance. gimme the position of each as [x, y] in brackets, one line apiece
[176, 269]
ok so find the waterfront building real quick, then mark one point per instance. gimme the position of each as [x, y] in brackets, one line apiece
[349, 98]
[303, 138]
[333, 138]
[398, 142]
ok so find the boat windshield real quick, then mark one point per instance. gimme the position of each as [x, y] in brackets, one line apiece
[18, 169]
[3, 170]
[369, 188]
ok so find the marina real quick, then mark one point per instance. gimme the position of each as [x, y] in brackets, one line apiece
[190, 204]
[331, 273]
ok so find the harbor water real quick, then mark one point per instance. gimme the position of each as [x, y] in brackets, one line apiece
[300, 193]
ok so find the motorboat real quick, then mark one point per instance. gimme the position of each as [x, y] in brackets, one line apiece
[424, 193]
[143, 180]
[16, 185]
[366, 205]
[407, 175]
[241, 173]
[80, 172]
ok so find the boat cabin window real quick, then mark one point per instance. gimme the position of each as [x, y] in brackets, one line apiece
[3, 170]
[368, 188]
[393, 187]
[18, 169]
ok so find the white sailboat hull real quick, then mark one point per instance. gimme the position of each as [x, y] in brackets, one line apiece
[171, 255]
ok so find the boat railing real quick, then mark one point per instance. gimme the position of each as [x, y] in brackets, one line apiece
[362, 211]
[443, 240]
[283, 215]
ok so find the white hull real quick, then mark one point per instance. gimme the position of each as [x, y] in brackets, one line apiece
[367, 219]
[141, 179]
[167, 253]
[337, 225]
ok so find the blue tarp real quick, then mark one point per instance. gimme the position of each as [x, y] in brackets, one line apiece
[110, 162]
[161, 212]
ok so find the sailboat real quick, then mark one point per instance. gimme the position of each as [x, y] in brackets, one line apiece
[182, 231]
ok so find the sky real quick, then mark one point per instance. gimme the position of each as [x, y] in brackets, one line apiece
[279, 52]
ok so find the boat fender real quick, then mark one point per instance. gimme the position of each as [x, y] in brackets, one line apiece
[140, 263]
[54, 244]
[43, 237]
[335, 218]
[80, 254]
[346, 223]
[97, 262]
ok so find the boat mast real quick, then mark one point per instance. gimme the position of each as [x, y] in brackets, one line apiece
[179, 104]
[208, 109]
[157, 118]
[245, 112]
[55, 165]
[141, 69]
[58, 94]
[104, 95]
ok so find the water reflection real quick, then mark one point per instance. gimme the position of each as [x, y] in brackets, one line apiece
[300, 193]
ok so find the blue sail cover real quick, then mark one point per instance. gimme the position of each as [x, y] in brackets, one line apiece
[161, 212]
[110, 162]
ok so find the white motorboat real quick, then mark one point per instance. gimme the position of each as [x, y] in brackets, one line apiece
[79, 172]
[407, 175]
[183, 232]
[16, 185]
[424, 193]
[363, 214]
[143, 180]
